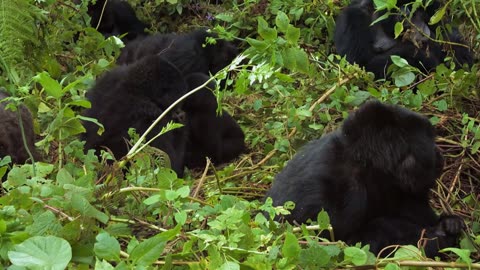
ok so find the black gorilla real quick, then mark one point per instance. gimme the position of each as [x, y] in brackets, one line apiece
[134, 96]
[11, 142]
[371, 46]
[218, 137]
[189, 52]
[118, 18]
[372, 176]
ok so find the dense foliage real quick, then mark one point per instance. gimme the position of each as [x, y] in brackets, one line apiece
[72, 209]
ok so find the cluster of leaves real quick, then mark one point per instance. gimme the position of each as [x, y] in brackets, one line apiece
[74, 210]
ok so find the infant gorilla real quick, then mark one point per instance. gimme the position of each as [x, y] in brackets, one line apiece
[11, 142]
[372, 176]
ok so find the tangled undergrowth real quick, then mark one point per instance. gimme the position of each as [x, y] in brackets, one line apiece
[289, 88]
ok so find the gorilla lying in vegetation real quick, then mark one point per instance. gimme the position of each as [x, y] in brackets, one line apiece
[11, 141]
[189, 52]
[371, 46]
[218, 137]
[372, 176]
[133, 97]
[117, 18]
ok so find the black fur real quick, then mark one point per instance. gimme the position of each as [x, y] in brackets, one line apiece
[118, 18]
[134, 96]
[371, 46]
[11, 142]
[218, 137]
[372, 176]
[189, 52]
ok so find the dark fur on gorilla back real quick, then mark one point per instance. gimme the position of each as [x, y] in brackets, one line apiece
[218, 137]
[11, 142]
[371, 46]
[134, 96]
[118, 18]
[186, 51]
[373, 177]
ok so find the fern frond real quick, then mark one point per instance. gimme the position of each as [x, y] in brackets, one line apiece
[17, 27]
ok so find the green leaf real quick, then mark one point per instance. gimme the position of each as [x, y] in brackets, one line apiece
[314, 257]
[81, 204]
[355, 255]
[438, 15]
[398, 61]
[42, 252]
[292, 35]
[52, 87]
[323, 220]
[403, 77]
[183, 192]
[148, 251]
[181, 217]
[290, 248]
[464, 254]
[107, 247]
[266, 32]
[408, 252]
[398, 28]
[257, 44]
[392, 266]
[229, 266]
[282, 21]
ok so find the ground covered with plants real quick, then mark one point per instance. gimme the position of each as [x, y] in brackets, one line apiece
[71, 209]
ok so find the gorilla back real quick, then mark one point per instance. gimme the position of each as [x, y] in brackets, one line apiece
[133, 97]
[186, 51]
[373, 177]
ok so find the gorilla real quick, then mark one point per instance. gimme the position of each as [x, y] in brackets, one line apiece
[373, 177]
[218, 137]
[11, 142]
[371, 46]
[133, 97]
[117, 18]
[189, 52]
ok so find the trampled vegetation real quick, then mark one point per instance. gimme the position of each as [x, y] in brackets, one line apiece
[72, 209]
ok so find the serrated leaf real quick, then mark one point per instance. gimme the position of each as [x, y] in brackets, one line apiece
[42, 252]
[257, 44]
[107, 247]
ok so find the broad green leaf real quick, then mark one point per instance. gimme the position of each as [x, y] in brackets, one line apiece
[51, 86]
[282, 21]
[398, 61]
[229, 266]
[403, 77]
[42, 252]
[183, 192]
[265, 31]
[257, 44]
[107, 247]
[148, 251]
[464, 254]
[292, 35]
[323, 220]
[355, 255]
[181, 217]
[81, 204]
[314, 257]
[409, 252]
[290, 248]
[392, 266]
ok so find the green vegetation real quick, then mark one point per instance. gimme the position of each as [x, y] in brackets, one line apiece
[73, 210]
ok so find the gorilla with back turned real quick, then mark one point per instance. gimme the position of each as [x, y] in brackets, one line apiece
[371, 46]
[372, 176]
[218, 137]
[133, 97]
[189, 52]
